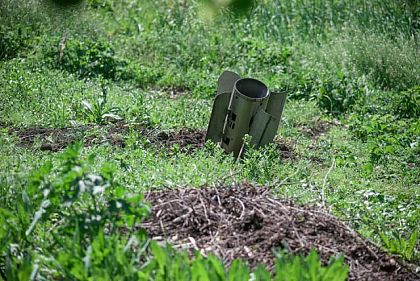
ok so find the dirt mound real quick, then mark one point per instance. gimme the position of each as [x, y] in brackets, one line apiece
[285, 148]
[187, 140]
[56, 139]
[52, 139]
[316, 129]
[114, 135]
[246, 222]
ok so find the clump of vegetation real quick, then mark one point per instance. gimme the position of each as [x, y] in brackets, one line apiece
[309, 268]
[386, 135]
[387, 63]
[68, 218]
[401, 246]
[99, 112]
[403, 104]
[89, 58]
[388, 123]
[338, 95]
[20, 23]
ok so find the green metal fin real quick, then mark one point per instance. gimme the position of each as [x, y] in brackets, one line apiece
[259, 127]
[270, 131]
[226, 82]
[220, 106]
[218, 117]
[275, 108]
[276, 103]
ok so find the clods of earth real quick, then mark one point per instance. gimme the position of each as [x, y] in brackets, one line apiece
[246, 222]
[56, 139]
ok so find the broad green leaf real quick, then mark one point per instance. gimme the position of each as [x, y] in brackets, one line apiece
[198, 270]
[218, 267]
[238, 271]
[158, 254]
[261, 274]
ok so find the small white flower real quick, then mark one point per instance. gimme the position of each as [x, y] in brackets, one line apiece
[98, 189]
[82, 186]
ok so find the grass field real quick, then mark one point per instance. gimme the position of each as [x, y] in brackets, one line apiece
[132, 80]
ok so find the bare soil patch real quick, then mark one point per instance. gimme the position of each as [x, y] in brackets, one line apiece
[285, 148]
[315, 129]
[114, 135]
[56, 139]
[187, 140]
[246, 222]
[52, 139]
